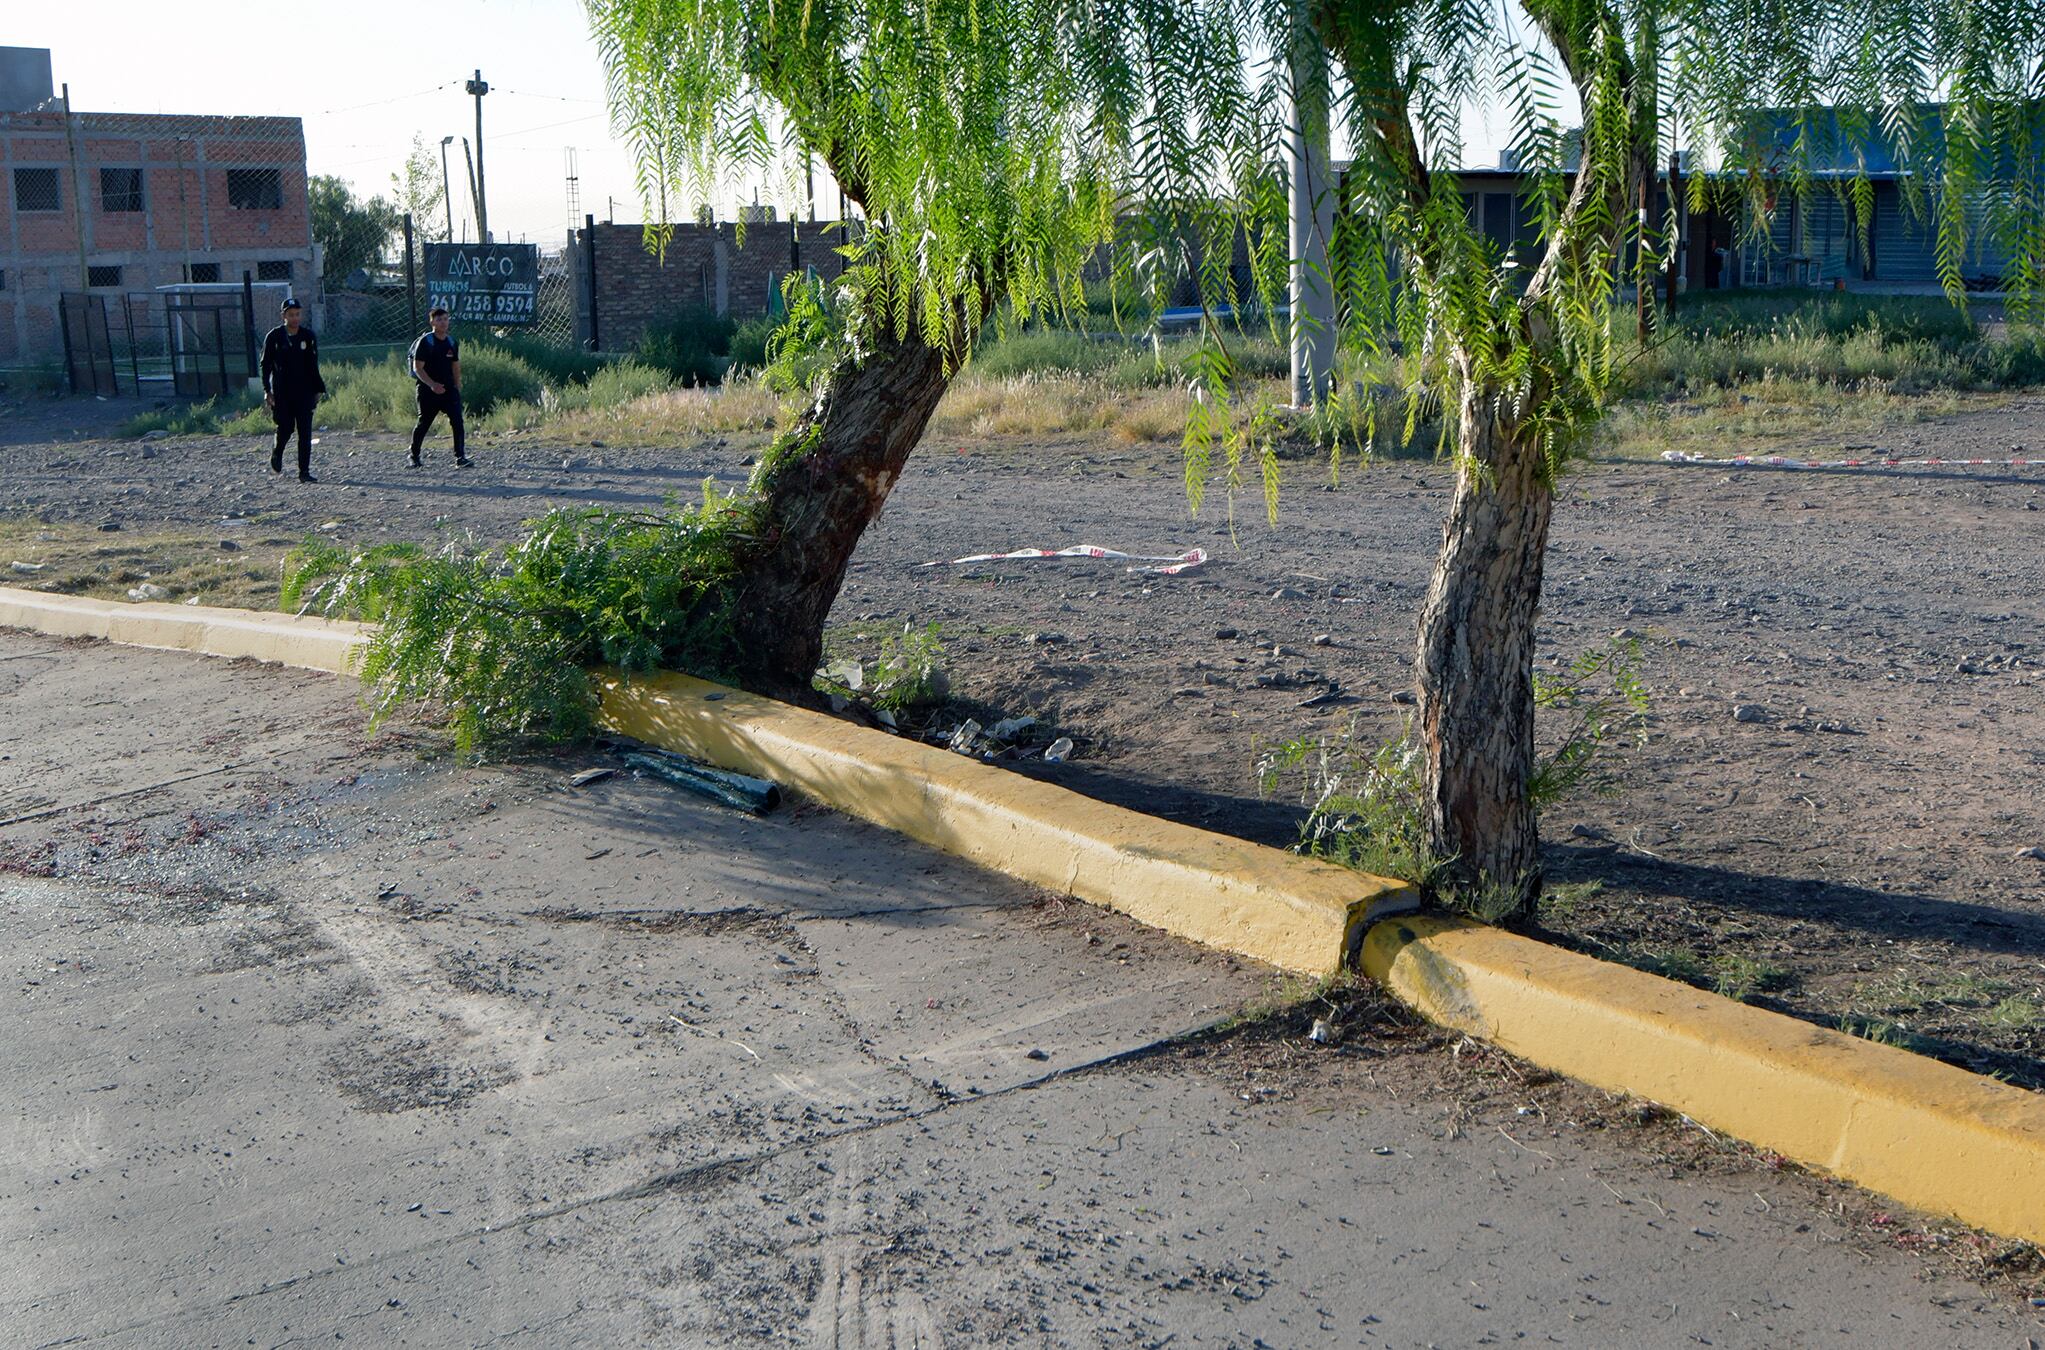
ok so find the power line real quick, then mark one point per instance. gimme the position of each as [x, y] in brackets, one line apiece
[547, 126]
[559, 98]
[378, 103]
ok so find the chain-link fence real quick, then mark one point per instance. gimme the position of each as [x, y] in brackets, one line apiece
[148, 254]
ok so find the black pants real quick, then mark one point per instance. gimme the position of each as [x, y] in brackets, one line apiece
[431, 403]
[293, 414]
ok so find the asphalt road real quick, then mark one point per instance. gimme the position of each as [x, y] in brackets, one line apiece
[312, 1038]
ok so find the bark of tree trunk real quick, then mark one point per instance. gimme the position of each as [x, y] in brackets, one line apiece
[818, 489]
[1474, 667]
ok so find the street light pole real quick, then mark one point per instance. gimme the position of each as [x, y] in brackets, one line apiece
[478, 87]
[446, 197]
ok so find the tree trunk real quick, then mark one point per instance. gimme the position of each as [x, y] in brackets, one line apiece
[1475, 664]
[818, 489]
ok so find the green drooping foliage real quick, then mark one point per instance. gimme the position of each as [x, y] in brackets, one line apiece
[505, 639]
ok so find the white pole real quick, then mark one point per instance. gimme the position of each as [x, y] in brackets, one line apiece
[1313, 220]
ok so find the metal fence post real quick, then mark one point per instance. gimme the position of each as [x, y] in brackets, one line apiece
[248, 328]
[589, 267]
[411, 278]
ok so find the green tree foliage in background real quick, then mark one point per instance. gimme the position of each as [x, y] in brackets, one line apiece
[352, 232]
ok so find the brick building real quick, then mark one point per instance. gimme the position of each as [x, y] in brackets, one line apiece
[119, 204]
[702, 265]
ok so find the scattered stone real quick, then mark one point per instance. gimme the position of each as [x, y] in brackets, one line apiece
[1403, 696]
[1332, 694]
[109, 526]
[229, 546]
[1224, 634]
[1836, 728]
[1038, 1055]
[1624, 635]
[2034, 854]
[1273, 679]
[1288, 593]
[1045, 639]
[1322, 1033]
[149, 452]
[156, 435]
[1749, 712]
[1323, 640]
[28, 568]
[1583, 831]
[588, 776]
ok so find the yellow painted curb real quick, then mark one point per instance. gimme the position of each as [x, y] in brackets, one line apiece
[1296, 913]
[1926, 1133]
[292, 640]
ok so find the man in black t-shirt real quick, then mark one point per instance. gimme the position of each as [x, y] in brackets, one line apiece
[437, 366]
[291, 386]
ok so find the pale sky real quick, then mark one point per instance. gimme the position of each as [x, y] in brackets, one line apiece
[365, 77]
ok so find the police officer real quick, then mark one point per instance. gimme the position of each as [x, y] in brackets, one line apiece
[292, 385]
[437, 366]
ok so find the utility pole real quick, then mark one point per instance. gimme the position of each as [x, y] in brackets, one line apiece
[78, 198]
[478, 88]
[1682, 219]
[446, 197]
[475, 203]
[1312, 221]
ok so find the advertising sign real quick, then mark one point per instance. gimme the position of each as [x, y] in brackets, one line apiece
[493, 284]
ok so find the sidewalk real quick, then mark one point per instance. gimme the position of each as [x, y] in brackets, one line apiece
[318, 1038]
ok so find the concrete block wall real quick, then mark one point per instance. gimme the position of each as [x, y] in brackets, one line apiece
[701, 265]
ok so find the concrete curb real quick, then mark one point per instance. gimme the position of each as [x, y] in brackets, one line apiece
[1924, 1132]
[292, 640]
[1296, 913]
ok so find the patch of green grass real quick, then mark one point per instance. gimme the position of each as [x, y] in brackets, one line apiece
[1741, 977]
[2016, 1013]
[207, 417]
[1560, 906]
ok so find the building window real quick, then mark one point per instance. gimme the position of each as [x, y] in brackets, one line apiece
[274, 270]
[202, 272]
[120, 190]
[37, 190]
[255, 189]
[102, 276]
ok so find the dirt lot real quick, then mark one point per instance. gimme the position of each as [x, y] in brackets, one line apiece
[1857, 853]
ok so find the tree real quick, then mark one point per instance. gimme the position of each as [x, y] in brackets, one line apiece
[1524, 359]
[417, 188]
[994, 145]
[352, 232]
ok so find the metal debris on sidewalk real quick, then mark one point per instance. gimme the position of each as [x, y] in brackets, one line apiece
[756, 795]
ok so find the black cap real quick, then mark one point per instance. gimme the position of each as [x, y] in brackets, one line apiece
[290, 302]
[436, 311]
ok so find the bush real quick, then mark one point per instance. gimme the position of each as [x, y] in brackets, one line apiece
[491, 376]
[749, 342]
[692, 345]
[557, 365]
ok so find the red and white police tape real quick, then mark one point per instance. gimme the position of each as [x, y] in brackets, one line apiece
[1784, 462]
[1175, 564]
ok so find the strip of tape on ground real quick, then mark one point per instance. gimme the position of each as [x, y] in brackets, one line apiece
[1929, 1134]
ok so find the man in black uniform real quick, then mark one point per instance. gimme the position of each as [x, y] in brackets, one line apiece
[291, 386]
[437, 366]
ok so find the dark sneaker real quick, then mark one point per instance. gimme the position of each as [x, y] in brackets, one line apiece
[276, 466]
[307, 478]
[462, 461]
[415, 459]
